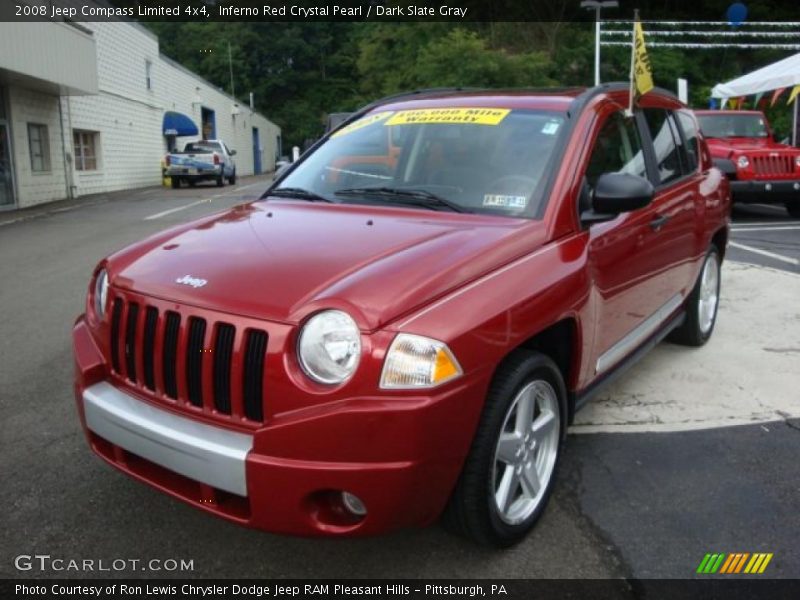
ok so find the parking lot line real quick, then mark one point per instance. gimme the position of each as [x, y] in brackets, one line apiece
[764, 224]
[777, 228]
[786, 259]
[164, 213]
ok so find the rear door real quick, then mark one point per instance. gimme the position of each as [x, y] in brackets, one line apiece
[677, 206]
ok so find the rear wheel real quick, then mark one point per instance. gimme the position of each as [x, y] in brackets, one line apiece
[192, 182]
[175, 183]
[509, 473]
[793, 208]
[220, 181]
[232, 178]
[702, 305]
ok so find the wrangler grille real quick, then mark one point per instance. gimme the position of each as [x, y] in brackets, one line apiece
[202, 364]
[773, 165]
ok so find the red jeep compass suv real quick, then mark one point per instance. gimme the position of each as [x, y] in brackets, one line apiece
[406, 322]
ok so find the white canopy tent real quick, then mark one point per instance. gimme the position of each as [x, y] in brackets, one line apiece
[782, 74]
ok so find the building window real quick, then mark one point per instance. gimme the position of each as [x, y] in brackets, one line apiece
[39, 145]
[148, 73]
[85, 150]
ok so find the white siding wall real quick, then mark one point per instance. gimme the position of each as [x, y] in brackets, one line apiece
[34, 107]
[128, 118]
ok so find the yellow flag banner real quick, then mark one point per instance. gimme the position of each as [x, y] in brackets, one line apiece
[642, 75]
[793, 95]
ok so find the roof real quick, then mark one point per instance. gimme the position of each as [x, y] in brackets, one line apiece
[782, 74]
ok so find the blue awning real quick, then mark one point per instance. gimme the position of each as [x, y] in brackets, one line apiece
[178, 124]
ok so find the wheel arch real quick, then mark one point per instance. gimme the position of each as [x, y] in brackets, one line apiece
[720, 240]
[559, 342]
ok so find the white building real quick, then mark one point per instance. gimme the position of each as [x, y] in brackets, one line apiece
[84, 108]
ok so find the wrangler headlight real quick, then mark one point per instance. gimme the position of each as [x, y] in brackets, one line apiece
[743, 162]
[100, 293]
[415, 362]
[329, 347]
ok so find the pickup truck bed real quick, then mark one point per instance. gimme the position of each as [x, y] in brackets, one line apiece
[203, 160]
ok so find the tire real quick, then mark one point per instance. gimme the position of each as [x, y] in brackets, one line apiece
[474, 509]
[220, 181]
[793, 208]
[175, 183]
[232, 178]
[702, 305]
[192, 182]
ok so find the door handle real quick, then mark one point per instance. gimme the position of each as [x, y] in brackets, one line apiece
[659, 222]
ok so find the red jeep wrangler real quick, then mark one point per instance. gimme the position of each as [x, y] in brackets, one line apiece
[377, 342]
[743, 147]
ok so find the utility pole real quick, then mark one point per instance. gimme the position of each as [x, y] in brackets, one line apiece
[230, 68]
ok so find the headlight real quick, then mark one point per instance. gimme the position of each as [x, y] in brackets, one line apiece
[416, 362]
[329, 347]
[100, 293]
[743, 162]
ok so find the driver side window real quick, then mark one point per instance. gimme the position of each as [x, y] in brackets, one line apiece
[618, 149]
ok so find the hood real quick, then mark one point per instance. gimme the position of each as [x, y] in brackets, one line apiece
[749, 145]
[282, 260]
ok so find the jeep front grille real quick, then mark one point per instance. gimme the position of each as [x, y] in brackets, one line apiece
[773, 165]
[190, 361]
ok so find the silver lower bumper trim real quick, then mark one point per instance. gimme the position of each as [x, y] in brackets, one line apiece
[205, 453]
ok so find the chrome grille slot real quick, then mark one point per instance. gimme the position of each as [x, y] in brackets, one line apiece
[253, 384]
[223, 357]
[148, 347]
[169, 354]
[130, 341]
[194, 360]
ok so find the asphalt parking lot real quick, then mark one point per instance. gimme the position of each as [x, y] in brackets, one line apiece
[692, 451]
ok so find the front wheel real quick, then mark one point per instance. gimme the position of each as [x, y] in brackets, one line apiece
[232, 178]
[702, 305]
[509, 473]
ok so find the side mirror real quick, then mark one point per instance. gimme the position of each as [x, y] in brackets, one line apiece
[726, 166]
[281, 169]
[616, 193]
[233, 152]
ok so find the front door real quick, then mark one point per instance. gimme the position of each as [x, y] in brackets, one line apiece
[256, 152]
[624, 254]
[6, 168]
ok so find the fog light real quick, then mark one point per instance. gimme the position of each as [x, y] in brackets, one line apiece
[796, 186]
[768, 187]
[354, 504]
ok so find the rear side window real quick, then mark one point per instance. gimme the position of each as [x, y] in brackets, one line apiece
[671, 157]
[618, 149]
[689, 128]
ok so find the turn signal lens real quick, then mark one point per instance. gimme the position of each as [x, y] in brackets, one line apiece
[743, 162]
[417, 362]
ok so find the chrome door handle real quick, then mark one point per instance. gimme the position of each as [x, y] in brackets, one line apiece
[659, 222]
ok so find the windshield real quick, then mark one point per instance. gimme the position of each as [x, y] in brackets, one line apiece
[727, 125]
[487, 160]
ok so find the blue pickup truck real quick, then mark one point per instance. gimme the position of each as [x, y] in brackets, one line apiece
[199, 161]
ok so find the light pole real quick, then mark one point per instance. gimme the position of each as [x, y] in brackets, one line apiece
[597, 6]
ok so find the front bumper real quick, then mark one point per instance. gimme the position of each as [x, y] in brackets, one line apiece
[400, 455]
[766, 191]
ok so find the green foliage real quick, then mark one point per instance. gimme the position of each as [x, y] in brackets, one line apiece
[301, 71]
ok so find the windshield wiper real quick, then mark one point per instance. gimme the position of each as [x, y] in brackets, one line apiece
[414, 197]
[302, 194]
